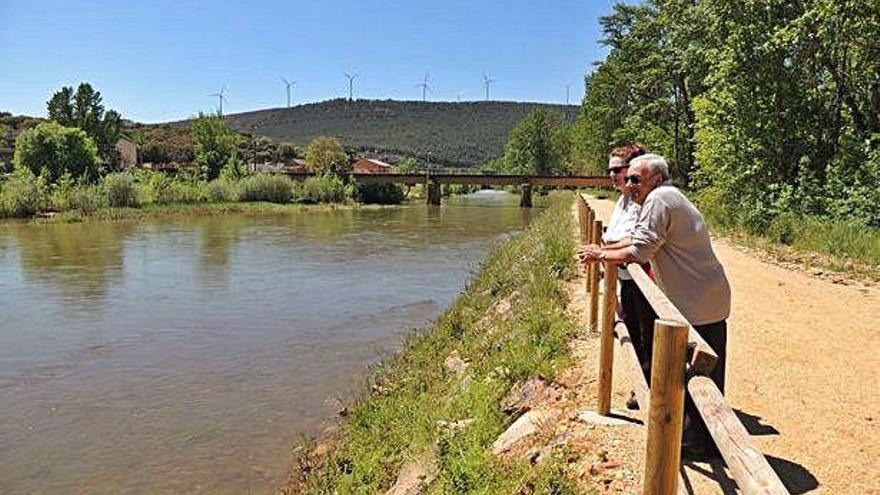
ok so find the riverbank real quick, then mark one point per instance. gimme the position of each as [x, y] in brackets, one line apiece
[111, 214]
[432, 413]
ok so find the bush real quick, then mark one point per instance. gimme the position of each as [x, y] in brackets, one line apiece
[86, 199]
[220, 191]
[121, 190]
[265, 187]
[181, 190]
[385, 194]
[326, 188]
[57, 150]
[23, 194]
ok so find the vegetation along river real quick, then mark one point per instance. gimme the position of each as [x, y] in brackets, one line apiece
[188, 355]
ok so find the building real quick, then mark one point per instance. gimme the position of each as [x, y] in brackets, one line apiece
[128, 153]
[370, 166]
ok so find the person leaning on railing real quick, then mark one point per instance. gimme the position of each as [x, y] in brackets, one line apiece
[638, 316]
[672, 234]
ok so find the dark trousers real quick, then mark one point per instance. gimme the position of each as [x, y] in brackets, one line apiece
[639, 319]
[696, 435]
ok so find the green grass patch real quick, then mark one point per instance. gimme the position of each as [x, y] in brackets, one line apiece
[398, 418]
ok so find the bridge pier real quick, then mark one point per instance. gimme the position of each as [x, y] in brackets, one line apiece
[525, 200]
[434, 193]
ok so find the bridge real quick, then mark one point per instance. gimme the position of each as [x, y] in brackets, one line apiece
[434, 181]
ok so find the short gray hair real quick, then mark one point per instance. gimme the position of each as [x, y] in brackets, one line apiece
[656, 163]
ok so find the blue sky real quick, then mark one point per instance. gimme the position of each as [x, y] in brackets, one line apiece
[155, 61]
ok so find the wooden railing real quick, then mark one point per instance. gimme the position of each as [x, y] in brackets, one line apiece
[673, 374]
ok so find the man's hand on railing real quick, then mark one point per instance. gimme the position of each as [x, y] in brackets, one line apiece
[589, 253]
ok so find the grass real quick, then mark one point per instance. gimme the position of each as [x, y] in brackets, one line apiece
[400, 415]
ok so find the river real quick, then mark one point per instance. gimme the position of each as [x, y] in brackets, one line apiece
[189, 355]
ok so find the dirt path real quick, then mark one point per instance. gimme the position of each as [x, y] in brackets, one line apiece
[804, 372]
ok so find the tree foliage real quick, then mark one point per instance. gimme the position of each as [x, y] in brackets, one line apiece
[539, 144]
[763, 106]
[53, 150]
[84, 109]
[215, 145]
[325, 155]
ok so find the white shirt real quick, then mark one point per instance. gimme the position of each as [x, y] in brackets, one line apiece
[623, 220]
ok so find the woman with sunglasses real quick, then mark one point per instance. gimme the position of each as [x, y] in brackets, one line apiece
[637, 313]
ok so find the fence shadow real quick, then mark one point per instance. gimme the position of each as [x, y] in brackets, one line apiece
[754, 424]
[796, 478]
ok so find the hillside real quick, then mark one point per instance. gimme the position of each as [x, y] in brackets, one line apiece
[445, 133]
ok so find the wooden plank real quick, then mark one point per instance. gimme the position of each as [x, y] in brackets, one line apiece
[704, 357]
[606, 352]
[747, 464]
[666, 410]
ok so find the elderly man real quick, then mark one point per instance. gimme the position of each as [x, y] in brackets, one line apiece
[672, 234]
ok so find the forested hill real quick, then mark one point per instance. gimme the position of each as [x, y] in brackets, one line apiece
[446, 133]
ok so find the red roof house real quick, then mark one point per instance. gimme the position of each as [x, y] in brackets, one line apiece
[371, 166]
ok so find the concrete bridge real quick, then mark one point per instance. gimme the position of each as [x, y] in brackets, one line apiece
[433, 182]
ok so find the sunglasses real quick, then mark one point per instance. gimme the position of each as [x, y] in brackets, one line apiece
[634, 179]
[616, 170]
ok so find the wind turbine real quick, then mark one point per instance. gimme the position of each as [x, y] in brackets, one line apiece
[486, 83]
[351, 78]
[221, 97]
[288, 84]
[425, 86]
[460, 94]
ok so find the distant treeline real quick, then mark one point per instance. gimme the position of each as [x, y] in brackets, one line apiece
[769, 110]
[442, 133]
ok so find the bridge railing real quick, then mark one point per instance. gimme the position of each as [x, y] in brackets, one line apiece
[673, 375]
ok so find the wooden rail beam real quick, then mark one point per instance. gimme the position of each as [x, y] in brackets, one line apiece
[747, 464]
[704, 357]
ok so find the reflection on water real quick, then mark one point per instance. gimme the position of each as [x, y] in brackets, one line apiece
[186, 356]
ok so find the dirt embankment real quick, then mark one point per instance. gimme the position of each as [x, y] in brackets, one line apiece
[803, 372]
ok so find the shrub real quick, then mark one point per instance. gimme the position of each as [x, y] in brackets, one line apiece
[121, 190]
[221, 190]
[86, 199]
[57, 150]
[23, 194]
[181, 190]
[326, 188]
[265, 187]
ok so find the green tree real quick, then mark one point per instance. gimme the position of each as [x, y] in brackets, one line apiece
[84, 109]
[539, 144]
[325, 155]
[408, 165]
[215, 145]
[53, 150]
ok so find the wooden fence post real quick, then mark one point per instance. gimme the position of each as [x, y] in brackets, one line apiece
[593, 321]
[666, 409]
[606, 352]
[591, 217]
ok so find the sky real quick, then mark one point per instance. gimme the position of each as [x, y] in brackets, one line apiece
[156, 61]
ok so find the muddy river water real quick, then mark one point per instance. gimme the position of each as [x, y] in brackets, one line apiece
[189, 355]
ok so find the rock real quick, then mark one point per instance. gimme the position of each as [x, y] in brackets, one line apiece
[414, 477]
[455, 364]
[594, 418]
[455, 425]
[528, 395]
[528, 424]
